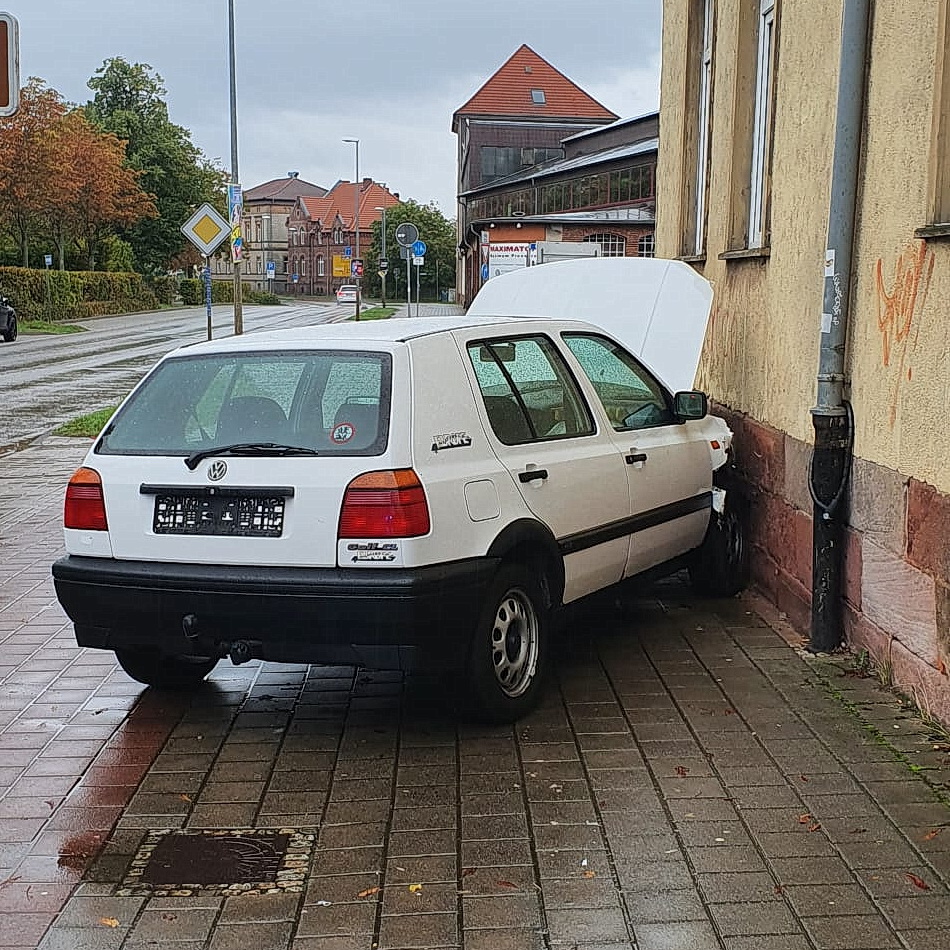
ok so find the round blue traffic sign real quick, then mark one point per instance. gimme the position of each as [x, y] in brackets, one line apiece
[419, 248]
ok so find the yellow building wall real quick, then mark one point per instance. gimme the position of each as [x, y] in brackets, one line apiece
[761, 354]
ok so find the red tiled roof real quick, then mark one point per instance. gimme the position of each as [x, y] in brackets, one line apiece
[283, 189]
[508, 92]
[340, 201]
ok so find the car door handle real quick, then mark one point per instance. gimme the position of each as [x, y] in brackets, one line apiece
[532, 475]
[635, 457]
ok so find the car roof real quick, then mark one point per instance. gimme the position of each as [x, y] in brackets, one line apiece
[399, 330]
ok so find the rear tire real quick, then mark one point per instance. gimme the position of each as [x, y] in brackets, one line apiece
[164, 672]
[720, 567]
[11, 331]
[509, 650]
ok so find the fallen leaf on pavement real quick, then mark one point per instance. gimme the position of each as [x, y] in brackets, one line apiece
[509, 885]
[590, 874]
[804, 778]
[468, 872]
[805, 819]
[369, 892]
[917, 881]
[682, 771]
[815, 826]
[108, 921]
[932, 834]
[184, 798]
[415, 888]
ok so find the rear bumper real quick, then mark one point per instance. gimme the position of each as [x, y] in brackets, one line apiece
[387, 619]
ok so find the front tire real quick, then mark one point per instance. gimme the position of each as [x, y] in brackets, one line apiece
[164, 672]
[509, 649]
[721, 565]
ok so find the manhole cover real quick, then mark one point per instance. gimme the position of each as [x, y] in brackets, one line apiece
[228, 862]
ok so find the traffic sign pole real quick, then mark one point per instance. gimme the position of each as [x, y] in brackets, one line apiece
[207, 280]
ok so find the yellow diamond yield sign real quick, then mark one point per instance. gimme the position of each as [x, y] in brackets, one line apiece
[206, 229]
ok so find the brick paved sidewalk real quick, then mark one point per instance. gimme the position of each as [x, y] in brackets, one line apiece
[690, 783]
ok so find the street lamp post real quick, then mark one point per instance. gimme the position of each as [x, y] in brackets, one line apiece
[356, 219]
[235, 179]
[383, 250]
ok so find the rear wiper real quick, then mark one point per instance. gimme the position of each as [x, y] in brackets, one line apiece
[275, 449]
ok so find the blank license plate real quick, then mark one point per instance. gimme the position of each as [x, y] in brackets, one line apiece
[242, 516]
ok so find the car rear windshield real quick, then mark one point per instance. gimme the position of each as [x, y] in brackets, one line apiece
[332, 401]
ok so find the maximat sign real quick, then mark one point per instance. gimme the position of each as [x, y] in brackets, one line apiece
[507, 257]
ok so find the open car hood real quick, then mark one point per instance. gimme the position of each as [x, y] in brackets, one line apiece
[658, 309]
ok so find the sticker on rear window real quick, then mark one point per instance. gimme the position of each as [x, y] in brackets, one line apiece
[342, 432]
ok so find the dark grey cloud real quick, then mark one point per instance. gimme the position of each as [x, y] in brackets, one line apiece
[311, 72]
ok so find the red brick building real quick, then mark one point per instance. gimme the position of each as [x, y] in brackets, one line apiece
[320, 230]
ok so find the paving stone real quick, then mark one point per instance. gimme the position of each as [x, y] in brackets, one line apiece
[261, 936]
[418, 930]
[338, 920]
[846, 933]
[680, 936]
[733, 887]
[665, 906]
[586, 926]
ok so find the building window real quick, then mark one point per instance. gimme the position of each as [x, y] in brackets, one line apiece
[703, 127]
[646, 245]
[321, 267]
[537, 97]
[611, 245]
[940, 149]
[762, 127]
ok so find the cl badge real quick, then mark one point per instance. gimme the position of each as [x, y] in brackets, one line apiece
[217, 470]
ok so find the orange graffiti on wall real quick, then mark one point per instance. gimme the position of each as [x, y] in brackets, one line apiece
[898, 305]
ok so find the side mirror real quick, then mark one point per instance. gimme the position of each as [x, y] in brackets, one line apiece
[690, 404]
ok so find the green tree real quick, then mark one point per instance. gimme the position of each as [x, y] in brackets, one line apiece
[436, 230]
[129, 101]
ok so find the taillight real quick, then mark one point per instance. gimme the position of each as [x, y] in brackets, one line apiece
[85, 504]
[385, 505]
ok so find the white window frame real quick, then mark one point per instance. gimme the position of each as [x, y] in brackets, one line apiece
[611, 245]
[761, 137]
[705, 110]
[646, 245]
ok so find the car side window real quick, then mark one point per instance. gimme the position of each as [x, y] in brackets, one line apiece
[528, 390]
[631, 397]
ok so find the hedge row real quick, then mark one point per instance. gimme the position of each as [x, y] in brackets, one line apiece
[74, 294]
[192, 293]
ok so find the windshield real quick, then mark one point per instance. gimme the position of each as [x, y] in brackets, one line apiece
[334, 402]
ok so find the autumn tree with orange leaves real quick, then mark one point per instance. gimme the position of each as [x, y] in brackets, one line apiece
[62, 179]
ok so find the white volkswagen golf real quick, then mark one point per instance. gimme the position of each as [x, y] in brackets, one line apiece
[407, 493]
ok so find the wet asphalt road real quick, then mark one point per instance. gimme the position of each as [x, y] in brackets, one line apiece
[46, 380]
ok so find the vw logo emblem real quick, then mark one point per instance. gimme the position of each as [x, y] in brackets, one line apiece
[217, 470]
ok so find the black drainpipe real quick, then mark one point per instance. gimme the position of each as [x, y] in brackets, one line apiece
[832, 417]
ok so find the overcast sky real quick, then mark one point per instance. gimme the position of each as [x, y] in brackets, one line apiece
[312, 72]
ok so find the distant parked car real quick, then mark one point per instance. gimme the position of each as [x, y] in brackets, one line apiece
[8, 326]
[346, 294]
